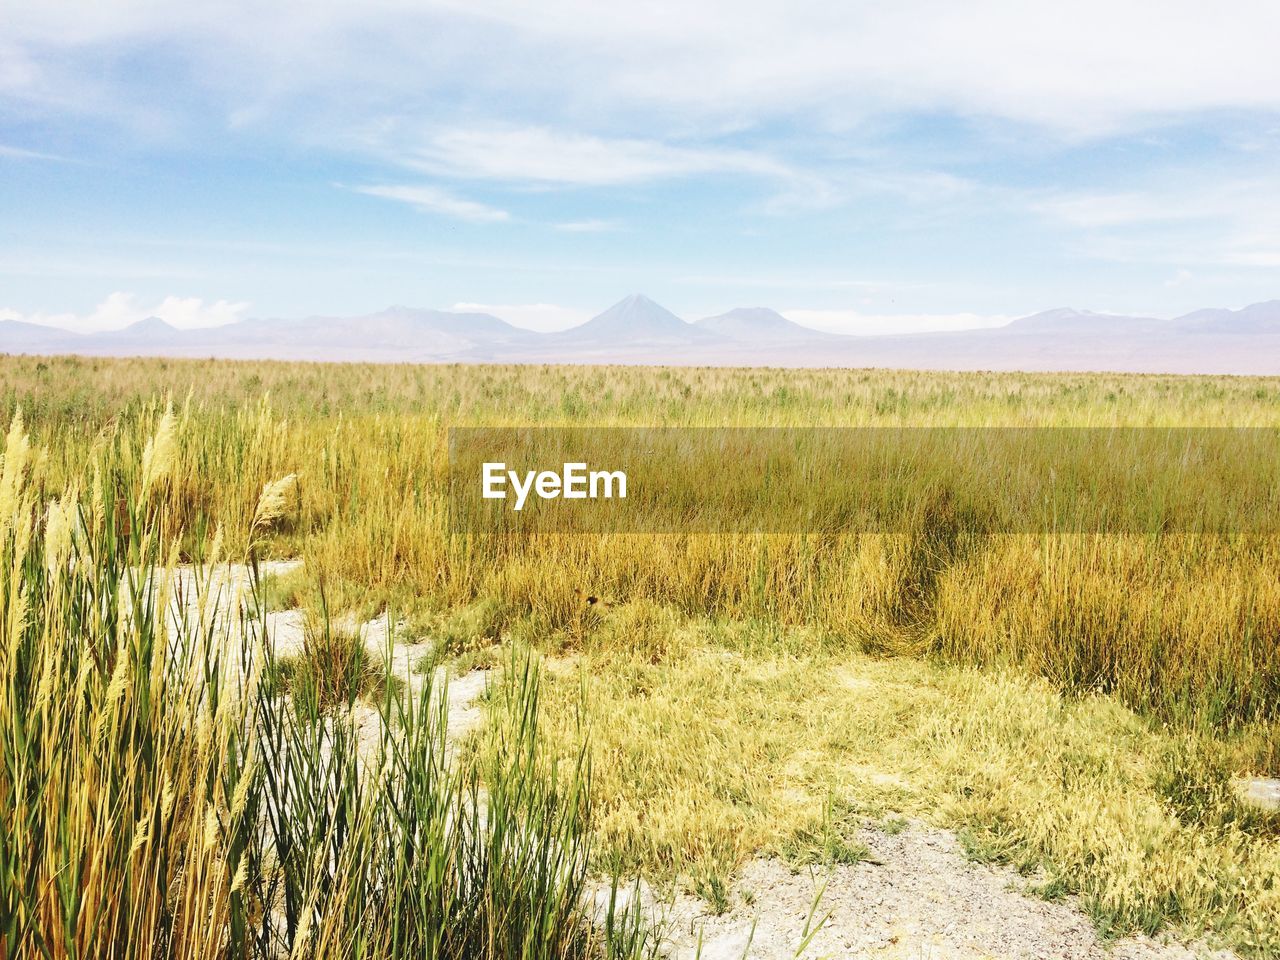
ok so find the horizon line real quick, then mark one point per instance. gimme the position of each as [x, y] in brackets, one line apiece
[1006, 319]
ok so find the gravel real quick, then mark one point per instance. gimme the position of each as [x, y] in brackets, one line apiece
[921, 899]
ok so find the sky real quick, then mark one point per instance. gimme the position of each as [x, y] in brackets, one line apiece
[866, 167]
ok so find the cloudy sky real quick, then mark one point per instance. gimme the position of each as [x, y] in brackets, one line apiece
[864, 166]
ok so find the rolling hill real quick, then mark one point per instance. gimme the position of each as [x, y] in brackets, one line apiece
[637, 330]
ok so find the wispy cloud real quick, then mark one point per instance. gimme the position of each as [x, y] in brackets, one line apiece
[915, 140]
[1121, 209]
[791, 281]
[20, 153]
[520, 155]
[589, 226]
[429, 199]
[120, 309]
[1109, 65]
[1191, 219]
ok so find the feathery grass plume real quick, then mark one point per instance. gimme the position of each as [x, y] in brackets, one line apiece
[17, 451]
[160, 801]
[161, 452]
[14, 594]
[274, 502]
[97, 503]
[1180, 628]
[58, 526]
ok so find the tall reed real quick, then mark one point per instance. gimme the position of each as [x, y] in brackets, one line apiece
[1180, 625]
[161, 797]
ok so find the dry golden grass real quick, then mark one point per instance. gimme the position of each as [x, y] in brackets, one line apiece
[713, 742]
[161, 798]
[732, 702]
[1182, 626]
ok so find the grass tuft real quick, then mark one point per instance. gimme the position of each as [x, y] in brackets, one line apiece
[162, 794]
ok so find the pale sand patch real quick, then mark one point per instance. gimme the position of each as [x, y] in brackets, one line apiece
[218, 597]
[1260, 792]
[464, 712]
[921, 899]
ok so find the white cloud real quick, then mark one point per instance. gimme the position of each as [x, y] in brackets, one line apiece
[20, 153]
[1185, 198]
[543, 317]
[121, 309]
[588, 226]
[1122, 209]
[1086, 66]
[543, 155]
[1191, 218]
[870, 324]
[793, 281]
[1256, 258]
[17, 73]
[434, 200]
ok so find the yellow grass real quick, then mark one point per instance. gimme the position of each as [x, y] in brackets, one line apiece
[1079, 702]
[713, 742]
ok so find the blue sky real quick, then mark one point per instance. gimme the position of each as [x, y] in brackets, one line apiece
[866, 167]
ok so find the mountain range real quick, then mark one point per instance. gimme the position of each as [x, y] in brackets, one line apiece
[637, 330]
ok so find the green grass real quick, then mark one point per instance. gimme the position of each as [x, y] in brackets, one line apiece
[1075, 705]
[1178, 625]
[715, 751]
[167, 790]
[277, 592]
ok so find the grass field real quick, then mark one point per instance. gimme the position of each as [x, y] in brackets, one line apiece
[1076, 704]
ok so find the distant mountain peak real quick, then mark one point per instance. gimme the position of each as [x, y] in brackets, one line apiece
[1068, 320]
[638, 330]
[748, 323]
[402, 321]
[150, 324]
[145, 331]
[1053, 315]
[638, 300]
[635, 317]
[1255, 318]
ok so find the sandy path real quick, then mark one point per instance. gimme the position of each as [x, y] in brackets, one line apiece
[921, 898]
[220, 595]
[463, 693]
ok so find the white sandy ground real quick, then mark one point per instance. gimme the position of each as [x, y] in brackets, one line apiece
[917, 897]
[1261, 792]
[225, 590]
[920, 899]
